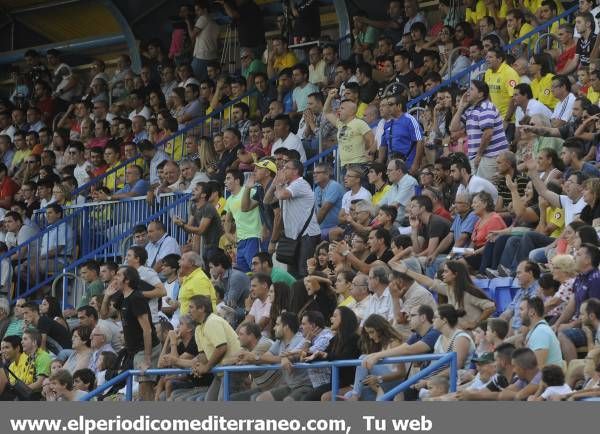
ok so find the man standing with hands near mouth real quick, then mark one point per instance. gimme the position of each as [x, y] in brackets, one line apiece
[355, 138]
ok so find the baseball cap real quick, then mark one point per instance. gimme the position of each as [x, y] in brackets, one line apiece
[484, 358]
[267, 164]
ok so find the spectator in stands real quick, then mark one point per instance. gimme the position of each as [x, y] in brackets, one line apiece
[585, 25]
[402, 187]
[138, 328]
[526, 104]
[235, 283]
[216, 342]
[460, 170]
[100, 342]
[328, 198]
[285, 137]
[116, 173]
[37, 367]
[8, 188]
[140, 236]
[17, 234]
[134, 186]
[279, 56]
[266, 93]
[47, 327]
[303, 87]
[590, 320]
[585, 286]
[57, 245]
[461, 292]
[561, 89]
[138, 108]
[81, 355]
[540, 338]
[528, 273]
[261, 307]
[204, 33]
[262, 263]
[160, 244]
[193, 281]
[566, 59]
[529, 376]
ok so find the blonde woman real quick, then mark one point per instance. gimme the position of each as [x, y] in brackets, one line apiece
[564, 270]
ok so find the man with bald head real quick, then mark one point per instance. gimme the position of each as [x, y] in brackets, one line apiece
[160, 244]
[355, 138]
[360, 293]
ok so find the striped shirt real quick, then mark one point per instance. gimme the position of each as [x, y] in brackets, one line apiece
[564, 109]
[479, 118]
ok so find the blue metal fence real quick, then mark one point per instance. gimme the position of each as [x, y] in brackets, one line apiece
[439, 361]
[33, 264]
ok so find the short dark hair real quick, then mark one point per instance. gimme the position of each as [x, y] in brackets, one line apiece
[263, 278]
[140, 253]
[525, 358]
[383, 234]
[537, 304]
[593, 252]
[243, 107]
[236, 175]
[498, 326]
[252, 329]
[32, 306]
[524, 89]
[505, 350]
[533, 268]
[290, 320]
[265, 257]
[202, 301]
[424, 201]
[593, 307]
[426, 310]
[553, 375]
[89, 311]
[563, 80]
[219, 257]
[14, 341]
[315, 317]
[131, 275]
[482, 87]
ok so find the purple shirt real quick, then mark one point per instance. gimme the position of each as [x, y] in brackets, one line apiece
[478, 118]
[586, 285]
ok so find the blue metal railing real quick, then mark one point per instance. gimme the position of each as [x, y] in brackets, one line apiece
[439, 361]
[33, 267]
[110, 248]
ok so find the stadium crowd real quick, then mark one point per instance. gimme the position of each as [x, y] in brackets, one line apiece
[495, 176]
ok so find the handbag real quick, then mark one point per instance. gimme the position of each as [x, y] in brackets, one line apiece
[21, 390]
[287, 248]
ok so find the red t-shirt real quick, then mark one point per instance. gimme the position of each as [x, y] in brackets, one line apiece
[8, 187]
[481, 231]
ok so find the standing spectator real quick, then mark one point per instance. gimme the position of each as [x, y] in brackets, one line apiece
[485, 131]
[203, 222]
[501, 80]
[138, 329]
[297, 207]
[355, 138]
[205, 34]
[248, 226]
[328, 198]
[249, 20]
[64, 82]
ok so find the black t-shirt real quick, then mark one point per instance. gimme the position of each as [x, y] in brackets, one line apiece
[438, 227]
[387, 255]
[214, 231]
[405, 79]
[589, 214]
[250, 25]
[267, 214]
[132, 307]
[584, 49]
[55, 331]
[368, 91]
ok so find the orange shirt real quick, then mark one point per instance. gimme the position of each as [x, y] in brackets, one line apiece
[493, 223]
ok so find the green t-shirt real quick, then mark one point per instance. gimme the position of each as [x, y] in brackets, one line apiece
[42, 363]
[247, 224]
[279, 275]
[94, 288]
[254, 67]
[15, 328]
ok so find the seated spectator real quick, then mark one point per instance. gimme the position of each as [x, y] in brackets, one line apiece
[52, 334]
[82, 352]
[528, 273]
[61, 384]
[37, 366]
[101, 338]
[377, 335]
[261, 306]
[321, 297]
[263, 263]
[461, 292]
[160, 244]
[193, 281]
[540, 338]
[529, 376]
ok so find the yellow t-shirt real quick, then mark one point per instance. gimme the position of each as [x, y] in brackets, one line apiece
[380, 194]
[195, 283]
[214, 332]
[20, 156]
[113, 178]
[286, 61]
[542, 90]
[174, 147]
[21, 370]
[556, 216]
[348, 301]
[593, 96]
[352, 142]
[524, 30]
[473, 16]
[360, 110]
[502, 86]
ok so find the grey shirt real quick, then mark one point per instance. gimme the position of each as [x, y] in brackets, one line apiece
[297, 377]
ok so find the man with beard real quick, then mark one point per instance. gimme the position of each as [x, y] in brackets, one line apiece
[541, 339]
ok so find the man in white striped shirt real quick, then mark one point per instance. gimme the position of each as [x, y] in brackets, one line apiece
[561, 89]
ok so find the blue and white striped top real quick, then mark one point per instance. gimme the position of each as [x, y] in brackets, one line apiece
[479, 118]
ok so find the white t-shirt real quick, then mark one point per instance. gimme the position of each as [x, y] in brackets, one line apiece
[81, 173]
[292, 141]
[295, 210]
[534, 107]
[170, 287]
[571, 209]
[206, 45]
[145, 112]
[348, 197]
[555, 390]
[150, 276]
[477, 184]
[564, 109]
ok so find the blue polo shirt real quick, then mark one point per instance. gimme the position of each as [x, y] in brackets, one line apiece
[400, 135]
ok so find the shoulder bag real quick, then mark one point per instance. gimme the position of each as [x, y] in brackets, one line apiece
[287, 248]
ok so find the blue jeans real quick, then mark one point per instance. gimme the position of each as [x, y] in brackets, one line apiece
[199, 66]
[366, 393]
[538, 255]
[432, 269]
